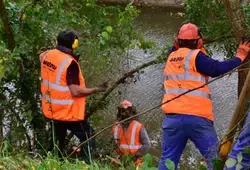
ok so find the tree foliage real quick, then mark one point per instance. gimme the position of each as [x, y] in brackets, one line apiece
[211, 16]
[105, 33]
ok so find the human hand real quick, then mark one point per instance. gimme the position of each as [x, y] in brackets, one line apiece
[102, 87]
[243, 49]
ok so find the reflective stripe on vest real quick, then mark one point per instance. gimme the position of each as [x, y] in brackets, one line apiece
[181, 90]
[57, 101]
[60, 69]
[57, 86]
[124, 146]
[133, 136]
[116, 132]
[187, 76]
[43, 56]
[58, 76]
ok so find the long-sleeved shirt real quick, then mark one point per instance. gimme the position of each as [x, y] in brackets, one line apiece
[212, 67]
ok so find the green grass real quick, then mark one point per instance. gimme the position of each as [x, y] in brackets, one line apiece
[24, 162]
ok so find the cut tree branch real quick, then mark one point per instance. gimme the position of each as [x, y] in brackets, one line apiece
[95, 107]
[121, 80]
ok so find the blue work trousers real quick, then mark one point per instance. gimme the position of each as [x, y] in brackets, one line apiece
[242, 143]
[178, 128]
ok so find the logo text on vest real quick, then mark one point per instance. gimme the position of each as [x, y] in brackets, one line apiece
[176, 59]
[49, 64]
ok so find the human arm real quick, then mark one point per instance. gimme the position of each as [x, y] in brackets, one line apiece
[146, 145]
[78, 91]
[214, 68]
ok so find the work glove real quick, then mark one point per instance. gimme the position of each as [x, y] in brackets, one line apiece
[102, 87]
[243, 49]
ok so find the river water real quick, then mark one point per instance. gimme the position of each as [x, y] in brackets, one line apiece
[160, 26]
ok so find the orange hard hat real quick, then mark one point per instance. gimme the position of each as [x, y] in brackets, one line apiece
[125, 104]
[189, 31]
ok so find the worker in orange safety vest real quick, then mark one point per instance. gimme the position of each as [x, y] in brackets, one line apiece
[190, 117]
[131, 136]
[63, 92]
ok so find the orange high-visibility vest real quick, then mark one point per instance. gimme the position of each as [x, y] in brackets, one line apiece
[180, 76]
[128, 141]
[57, 101]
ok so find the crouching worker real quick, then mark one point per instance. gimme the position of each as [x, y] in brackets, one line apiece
[240, 146]
[131, 136]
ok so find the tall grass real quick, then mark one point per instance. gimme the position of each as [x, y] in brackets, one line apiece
[24, 162]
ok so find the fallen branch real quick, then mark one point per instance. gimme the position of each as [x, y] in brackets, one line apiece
[119, 81]
[150, 109]
[95, 107]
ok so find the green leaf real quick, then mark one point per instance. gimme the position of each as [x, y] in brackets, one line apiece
[148, 158]
[170, 164]
[145, 165]
[51, 11]
[202, 167]
[230, 162]
[105, 35]
[238, 166]
[132, 45]
[239, 157]
[153, 168]
[109, 29]
[102, 42]
[247, 151]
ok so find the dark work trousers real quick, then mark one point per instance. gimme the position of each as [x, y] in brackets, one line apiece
[81, 129]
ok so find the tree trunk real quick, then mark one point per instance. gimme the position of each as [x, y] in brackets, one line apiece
[240, 30]
[237, 21]
[7, 26]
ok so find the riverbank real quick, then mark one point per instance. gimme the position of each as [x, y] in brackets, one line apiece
[177, 4]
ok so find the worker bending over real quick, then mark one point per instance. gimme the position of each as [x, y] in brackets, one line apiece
[191, 115]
